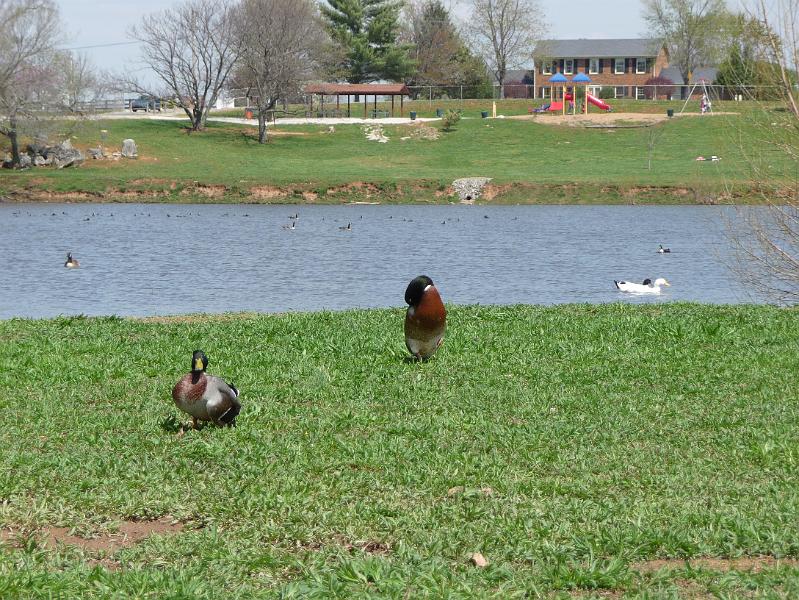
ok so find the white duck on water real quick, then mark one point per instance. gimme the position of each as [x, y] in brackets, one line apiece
[647, 287]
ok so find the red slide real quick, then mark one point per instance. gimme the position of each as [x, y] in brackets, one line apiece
[597, 102]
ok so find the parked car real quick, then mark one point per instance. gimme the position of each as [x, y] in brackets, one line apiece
[145, 103]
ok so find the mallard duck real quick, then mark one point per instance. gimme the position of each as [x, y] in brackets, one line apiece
[205, 397]
[647, 287]
[72, 263]
[663, 250]
[426, 318]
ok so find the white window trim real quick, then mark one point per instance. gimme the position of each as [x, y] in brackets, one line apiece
[616, 91]
[637, 60]
[547, 68]
[545, 92]
[593, 66]
[617, 61]
[568, 70]
[640, 93]
[595, 90]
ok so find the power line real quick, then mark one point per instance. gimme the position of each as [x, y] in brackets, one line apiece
[101, 46]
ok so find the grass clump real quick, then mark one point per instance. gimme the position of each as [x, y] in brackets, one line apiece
[569, 445]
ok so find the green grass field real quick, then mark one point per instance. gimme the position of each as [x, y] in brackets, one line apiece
[528, 161]
[583, 450]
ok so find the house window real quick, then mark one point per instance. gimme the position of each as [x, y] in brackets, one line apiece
[593, 66]
[568, 66]
[547, 69]
[640, 65]
[620, 90]
[545, 92]
[594, 90]
[640, 93]
[618, 66]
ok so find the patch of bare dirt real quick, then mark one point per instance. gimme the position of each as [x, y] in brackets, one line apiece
[355, 187]
[752, 564]
[129, 533]
[491, 191]
[267, 192]
[207, 191]
[611, 118]
[108, 564]
[9, 535]
[310, 196]
[201, 318]
[368, 546]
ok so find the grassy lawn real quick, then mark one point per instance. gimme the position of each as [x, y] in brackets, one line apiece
[529, 162]
[582, 450]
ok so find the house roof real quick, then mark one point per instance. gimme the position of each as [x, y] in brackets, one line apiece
[342, 89]
[582, 48]
[520, 75]
[707, 73]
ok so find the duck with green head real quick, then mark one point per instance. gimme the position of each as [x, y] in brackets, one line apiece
[205, 397]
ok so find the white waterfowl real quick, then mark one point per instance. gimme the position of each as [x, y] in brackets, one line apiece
[647, 287]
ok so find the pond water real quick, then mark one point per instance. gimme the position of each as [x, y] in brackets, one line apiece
[145, 259]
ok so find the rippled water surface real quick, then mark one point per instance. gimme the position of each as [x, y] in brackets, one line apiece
[170, 259]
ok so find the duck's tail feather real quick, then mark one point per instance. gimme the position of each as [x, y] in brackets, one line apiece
[229, 416]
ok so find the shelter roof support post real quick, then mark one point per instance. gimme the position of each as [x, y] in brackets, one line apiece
[392, 106]
[375, 113]
[348, 106]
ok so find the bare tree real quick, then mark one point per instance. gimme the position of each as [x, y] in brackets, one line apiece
[767, 239]
[693, 30]
[192, 49]
[29, 31]
[280, 41]
[505, 32]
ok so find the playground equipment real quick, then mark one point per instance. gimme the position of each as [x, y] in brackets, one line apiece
[596, 102]
[580, 78]
[705, 105]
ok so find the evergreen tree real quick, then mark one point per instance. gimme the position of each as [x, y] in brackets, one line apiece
[366, 33]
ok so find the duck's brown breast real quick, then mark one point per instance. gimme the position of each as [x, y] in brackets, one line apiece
[190, 388]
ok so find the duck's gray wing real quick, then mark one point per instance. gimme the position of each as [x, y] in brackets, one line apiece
[223, 401]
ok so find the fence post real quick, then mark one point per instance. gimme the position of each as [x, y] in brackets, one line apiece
[461, 95]
[431, 97]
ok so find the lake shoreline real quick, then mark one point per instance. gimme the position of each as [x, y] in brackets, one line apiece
[421, 192]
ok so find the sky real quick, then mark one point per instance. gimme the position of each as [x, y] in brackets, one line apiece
[100, 23]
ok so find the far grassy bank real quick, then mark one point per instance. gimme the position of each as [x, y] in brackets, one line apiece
[589, 451]
[528, 161]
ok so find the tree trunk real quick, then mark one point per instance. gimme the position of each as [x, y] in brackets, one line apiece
[262, 127]
[12, 136]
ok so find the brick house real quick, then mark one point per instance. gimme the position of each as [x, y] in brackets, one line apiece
[624, 65]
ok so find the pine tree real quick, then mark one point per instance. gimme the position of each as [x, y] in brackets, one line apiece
[366, 33]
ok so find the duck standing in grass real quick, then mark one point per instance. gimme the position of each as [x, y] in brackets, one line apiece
[647, 287]
[426, 319]
[72, 263]
[205, 397]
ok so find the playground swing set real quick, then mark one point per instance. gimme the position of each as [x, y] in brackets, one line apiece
[568, 96]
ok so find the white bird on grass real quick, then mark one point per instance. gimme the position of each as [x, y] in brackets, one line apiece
[647, 287]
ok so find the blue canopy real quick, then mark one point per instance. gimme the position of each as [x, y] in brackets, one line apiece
[581, 78]
[558, 78]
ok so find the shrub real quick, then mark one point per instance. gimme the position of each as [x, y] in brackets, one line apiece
[665, 87]
[450, 119]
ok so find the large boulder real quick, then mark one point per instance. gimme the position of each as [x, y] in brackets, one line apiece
[25, 161]
[129, 149]
[64, 155]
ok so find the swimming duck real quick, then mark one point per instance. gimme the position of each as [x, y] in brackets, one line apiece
[426, 319]
[72, 263]
[292, 226]
[647, 287]
[205, 397]
[663, 250]
[347, 228]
